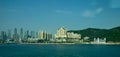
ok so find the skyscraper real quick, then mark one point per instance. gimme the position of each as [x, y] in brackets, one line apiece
[41, 34]
[9, 34]
[26, 35]
[16, 36]
[21, 33]
[32, 34]
[36, 34]
[49, 36]
[3, 36]
[44, 35]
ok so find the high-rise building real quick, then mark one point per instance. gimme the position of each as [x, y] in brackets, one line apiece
[16, 36]
[32, 34]
[9, 34]
[44, 35]
[15, 31]
[3, 36]
[26, 35]
[0, 35]
[49, 36]
[41, 34]
[36, 34]
[21, 33]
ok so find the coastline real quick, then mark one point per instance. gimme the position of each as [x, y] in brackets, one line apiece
[108, 43]
[52, 43]
[77, 43]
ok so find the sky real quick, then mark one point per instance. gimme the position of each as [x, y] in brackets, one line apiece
[50, 15]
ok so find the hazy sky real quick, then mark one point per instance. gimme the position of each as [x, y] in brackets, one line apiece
[52, 14]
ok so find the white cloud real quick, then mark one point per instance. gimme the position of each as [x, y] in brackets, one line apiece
[92, 13]
[62, 11]
[88, 13]
[99, 10]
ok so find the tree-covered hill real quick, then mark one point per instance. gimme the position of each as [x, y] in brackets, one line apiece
[111, 34]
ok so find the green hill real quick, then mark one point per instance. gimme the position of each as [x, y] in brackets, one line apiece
[110, 34]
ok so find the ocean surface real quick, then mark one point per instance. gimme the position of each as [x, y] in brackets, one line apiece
[59, 50]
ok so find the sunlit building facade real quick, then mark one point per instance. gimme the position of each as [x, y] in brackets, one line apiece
[63, 36]
[44, 35]
[73, 35]
[99, 41]
[61, 33]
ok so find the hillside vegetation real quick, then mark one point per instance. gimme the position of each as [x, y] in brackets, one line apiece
[110, 34]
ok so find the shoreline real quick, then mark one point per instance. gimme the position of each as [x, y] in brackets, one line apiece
[69, 43]
[78, 43]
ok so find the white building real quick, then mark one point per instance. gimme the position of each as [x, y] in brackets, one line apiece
[62, 35]
[41, 34]
[99, 41]
[73, 35]
[44, 35]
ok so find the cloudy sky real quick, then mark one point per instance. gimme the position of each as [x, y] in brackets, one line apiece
[49, 15]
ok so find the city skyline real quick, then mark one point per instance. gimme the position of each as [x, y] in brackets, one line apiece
[51, 14]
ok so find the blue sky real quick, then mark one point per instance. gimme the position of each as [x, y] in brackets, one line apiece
[49, 15]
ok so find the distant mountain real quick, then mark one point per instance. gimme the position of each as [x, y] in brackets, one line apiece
[111, 34]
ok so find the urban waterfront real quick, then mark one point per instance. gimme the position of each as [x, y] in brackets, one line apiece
[59, 28]
[62, 36]
[59, 50]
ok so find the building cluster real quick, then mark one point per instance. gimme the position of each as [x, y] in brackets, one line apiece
[23, 36]
[99, 41]
[61, 36]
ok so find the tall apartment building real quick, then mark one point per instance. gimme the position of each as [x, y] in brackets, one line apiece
[44, 35]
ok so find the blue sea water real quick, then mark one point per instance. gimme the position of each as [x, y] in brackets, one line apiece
[59, 50]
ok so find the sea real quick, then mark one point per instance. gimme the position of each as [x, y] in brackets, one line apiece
[59, 50]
